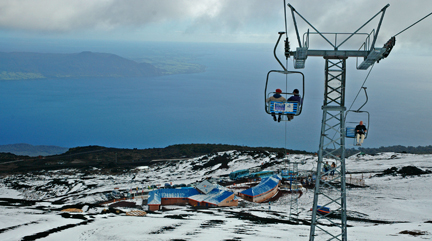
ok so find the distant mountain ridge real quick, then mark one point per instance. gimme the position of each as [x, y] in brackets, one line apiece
[27, 65]
[22, 149]
[25, 158]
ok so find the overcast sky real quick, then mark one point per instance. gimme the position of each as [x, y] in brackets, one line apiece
[405, 75]
[244, 21]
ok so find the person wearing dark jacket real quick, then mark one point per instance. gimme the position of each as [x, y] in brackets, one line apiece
[326, 168]
[295, 97]
[332, 168]
[278, 98]
[360, 132]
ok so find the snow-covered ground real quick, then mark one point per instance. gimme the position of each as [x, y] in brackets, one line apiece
[389, 207]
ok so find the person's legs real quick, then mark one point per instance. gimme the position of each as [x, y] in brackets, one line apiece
[274, 116]
[358, 139]
[362, 138]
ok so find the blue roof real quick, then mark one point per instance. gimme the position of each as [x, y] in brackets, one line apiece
[214, 197]
[264, 186]
[205, 186]
[155, 196]
[287, 172]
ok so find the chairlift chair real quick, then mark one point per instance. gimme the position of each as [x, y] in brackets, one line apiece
[350, 125]
[359, 116]
[287, 107]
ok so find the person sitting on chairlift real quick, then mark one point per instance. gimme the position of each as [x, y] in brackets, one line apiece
[295, 97]
[360, 131]
[279, 98]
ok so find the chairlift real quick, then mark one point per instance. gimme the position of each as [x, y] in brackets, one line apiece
[357, 115]
[287, 107]
[273, 82]
[350, 126]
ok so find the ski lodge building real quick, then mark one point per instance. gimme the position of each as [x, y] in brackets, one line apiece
[204, 194]
[266, 189]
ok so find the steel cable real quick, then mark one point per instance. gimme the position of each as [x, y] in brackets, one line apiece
[412, 24]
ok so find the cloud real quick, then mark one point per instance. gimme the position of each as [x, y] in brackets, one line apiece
[252, 19]
[65, 15]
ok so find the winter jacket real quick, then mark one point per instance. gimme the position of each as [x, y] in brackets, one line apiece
[360, 129]
[276, 97]
[296, 98]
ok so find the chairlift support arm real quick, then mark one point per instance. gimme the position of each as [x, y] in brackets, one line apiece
[378, 28]
[274, 50]
[364, 88]
[333, 45]
[295, 23]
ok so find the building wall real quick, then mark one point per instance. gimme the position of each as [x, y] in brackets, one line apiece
[261, 198]
[245, 197]
[266, 196]
[174, 201]
[168, 201]
[153, 207]
[229, 201]
[200, 204]
[193, 203]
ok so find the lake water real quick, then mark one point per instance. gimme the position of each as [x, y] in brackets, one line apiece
[223, 105]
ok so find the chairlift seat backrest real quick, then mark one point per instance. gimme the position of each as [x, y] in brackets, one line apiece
[285, 108]
[350, 126]
[350, 132]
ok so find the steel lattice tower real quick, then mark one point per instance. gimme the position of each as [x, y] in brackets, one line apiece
[293, 171]
[330, 189]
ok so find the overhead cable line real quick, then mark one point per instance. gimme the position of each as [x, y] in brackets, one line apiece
[361, 87]
[286, 66]
[286, 28]
[286, 90]
[389, 45]
[413, 24]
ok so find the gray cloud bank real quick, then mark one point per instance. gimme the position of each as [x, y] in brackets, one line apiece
[210, 16]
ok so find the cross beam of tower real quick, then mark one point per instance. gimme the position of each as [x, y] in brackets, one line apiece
[329, 211]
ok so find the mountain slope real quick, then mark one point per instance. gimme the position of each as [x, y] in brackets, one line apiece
[388, 207]
[30, 150]
[22, 65]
